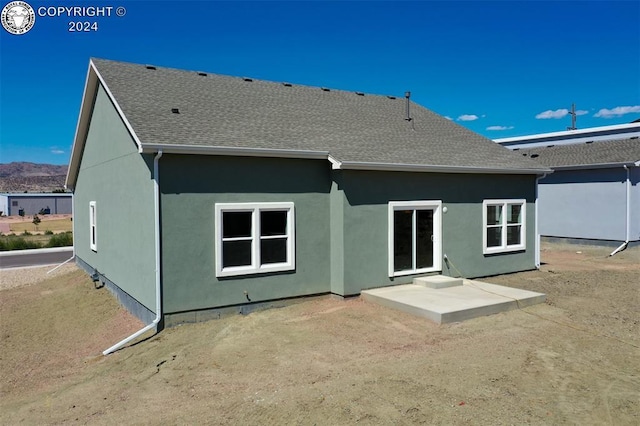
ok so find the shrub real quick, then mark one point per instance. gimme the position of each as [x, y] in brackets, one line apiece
[61, 240]
[36, 221]
[26, 232]
[48, 232]
[17, 243]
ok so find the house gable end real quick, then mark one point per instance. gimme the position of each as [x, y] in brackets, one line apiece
[94, 82]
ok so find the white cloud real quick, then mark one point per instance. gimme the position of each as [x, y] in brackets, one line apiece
[57, 151]
[499, 127]
[581, 112]
[617, 111]
[468, 117]
[559, 113]
[448, 118]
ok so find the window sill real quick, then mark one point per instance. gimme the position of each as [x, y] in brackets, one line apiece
[243, 270]
[502, 250]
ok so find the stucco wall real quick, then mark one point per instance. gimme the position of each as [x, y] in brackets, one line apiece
[191, 185]
[589, 204]
[115, 176]
[365, 212]
[341, 225]
[635, 204]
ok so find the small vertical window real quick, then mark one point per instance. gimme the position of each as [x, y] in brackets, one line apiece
[93, 227]
[504, 226]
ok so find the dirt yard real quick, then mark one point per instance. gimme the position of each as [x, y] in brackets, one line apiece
[573, 360]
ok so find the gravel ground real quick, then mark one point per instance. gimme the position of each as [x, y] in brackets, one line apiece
[17, 277]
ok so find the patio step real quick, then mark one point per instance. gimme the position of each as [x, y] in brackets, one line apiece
[437, 281]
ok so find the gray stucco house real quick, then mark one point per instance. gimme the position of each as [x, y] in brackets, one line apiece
[593, 194]
[195, 192]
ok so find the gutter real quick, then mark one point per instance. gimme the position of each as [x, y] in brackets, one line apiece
[593, 166]
[357, 165]
[234, 151]
[156, 321]
[628, 214]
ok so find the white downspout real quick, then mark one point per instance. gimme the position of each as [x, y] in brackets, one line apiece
[537, 245]
[626, 240]
[156, 206]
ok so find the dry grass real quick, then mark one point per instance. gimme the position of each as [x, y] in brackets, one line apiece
[573, 360]
[56, 225]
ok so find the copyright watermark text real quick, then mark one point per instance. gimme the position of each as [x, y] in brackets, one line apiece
[76, 11]
[19, 17]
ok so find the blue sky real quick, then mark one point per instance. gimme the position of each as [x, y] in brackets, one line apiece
[498, 68]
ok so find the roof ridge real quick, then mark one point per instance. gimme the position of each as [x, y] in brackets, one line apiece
[286, 83]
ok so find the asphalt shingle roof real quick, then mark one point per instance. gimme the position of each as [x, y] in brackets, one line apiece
[223, 111]
[583, 154]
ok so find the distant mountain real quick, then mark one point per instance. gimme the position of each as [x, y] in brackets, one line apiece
[31, 177]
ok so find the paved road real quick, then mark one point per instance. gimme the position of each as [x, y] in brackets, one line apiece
[23, 258]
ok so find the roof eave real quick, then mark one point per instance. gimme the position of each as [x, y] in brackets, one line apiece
[232, 151]
[427, 168]
[598, 165]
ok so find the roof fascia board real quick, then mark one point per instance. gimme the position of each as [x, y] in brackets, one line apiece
[117, 106]
[89, 92]
[233, 151]
[596, 166]
[436, 169]
[335, 164]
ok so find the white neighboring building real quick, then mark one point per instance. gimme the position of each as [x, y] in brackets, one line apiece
[568, 137]
[54, 203]
[593, 195]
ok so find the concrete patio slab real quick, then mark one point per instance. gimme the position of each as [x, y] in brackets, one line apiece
[452, 304]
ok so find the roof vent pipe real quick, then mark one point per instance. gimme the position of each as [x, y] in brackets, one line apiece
[407, 95]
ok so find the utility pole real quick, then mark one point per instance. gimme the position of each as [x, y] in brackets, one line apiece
[573, 118]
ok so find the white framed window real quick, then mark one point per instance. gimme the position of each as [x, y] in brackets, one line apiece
[93, 226]
[415, 237]
[504, 226]
[253, 238]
